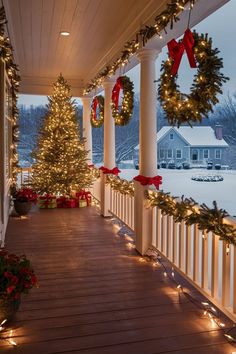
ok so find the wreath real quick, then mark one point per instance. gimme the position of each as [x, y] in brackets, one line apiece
[122, 114]
[96, 118]
[191, 108]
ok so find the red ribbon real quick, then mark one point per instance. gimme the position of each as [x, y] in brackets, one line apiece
[176, 51]
[157, 180]
[116, 92]
[95, 104]
[106, 171]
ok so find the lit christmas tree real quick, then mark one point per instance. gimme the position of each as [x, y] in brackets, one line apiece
[61, 159]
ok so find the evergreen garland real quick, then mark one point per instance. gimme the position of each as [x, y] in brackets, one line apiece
[207, 219]
[166, 17]
[120, 185]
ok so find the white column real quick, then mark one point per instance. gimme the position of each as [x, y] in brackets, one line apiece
[109, 127]
[87, 128]
[147, 145]
[109, 145]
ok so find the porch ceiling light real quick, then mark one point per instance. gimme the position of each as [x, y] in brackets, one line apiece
[64, 33]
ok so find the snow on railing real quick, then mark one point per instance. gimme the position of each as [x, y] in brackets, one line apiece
[202, 257]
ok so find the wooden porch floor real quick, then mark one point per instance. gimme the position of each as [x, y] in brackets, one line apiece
[96, 297]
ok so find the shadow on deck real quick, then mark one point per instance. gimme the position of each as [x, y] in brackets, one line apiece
[95, 297]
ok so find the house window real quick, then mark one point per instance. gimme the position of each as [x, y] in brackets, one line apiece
[162, 153]
[218, 154]
[179, 154]
[194, 155]
[171, 136]
[169, 153]
[206, 154]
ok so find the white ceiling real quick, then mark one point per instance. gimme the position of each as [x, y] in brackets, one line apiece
[99, 29]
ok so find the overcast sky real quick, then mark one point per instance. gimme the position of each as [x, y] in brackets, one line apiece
[220, 26]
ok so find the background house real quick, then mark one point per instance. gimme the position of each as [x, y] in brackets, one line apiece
[196, 146]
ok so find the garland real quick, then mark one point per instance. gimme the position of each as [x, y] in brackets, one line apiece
[121, 185]
[97, 121]
[190, 108]
[6, 54]
[122, 116]
[209, 219]
[166, 17]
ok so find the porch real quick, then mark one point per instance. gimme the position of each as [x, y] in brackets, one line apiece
[96, 296]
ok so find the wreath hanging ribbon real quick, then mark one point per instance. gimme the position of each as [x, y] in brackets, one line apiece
[176, 51]
[97, 120]
[114, 171]
[157, 180]
[116, 92]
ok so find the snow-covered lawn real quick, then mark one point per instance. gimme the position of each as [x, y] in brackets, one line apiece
[178, 182]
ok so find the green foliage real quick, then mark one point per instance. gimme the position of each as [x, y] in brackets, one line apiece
[182, 108]
[97, 122]
[122, 116]
[207, 219]
[61, 159]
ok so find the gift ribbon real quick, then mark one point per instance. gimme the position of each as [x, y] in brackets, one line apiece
[114, 171]
[157, 180]
[176, 51]
[116, 92]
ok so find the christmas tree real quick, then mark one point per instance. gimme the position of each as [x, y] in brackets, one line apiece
[60, 157]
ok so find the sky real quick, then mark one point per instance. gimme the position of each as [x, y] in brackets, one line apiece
[220, 26]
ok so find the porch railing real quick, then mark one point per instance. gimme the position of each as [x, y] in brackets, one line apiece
[122, 206]
[202, 258]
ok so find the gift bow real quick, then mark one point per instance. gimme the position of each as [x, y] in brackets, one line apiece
[116, 92]
[113, 171]
[176, 51]
[157, 180]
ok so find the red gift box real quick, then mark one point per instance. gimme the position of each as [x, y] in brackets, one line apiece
[61, 202]
[71, 203]
[83, 195]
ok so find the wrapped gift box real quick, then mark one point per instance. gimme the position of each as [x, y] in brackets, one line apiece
[47, 202]
[71, 203]
[61, 202]
[84, 196]
[82, 203]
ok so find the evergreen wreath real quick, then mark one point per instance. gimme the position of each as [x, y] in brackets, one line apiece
[123, 115]
[97, 119]
[191, 108]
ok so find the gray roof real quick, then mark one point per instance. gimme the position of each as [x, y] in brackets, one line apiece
[196, 136]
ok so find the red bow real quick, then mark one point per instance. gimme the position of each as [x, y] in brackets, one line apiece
[94, 107]
[157, 180]
[176, 51]
[106, 171]
[116, 92]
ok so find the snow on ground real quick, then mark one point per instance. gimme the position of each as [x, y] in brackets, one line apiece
[178, 182]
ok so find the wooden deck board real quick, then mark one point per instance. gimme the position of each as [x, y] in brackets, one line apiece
[95, 297]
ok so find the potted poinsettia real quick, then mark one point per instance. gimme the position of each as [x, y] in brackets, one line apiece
[16, 277]
[23, 198]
